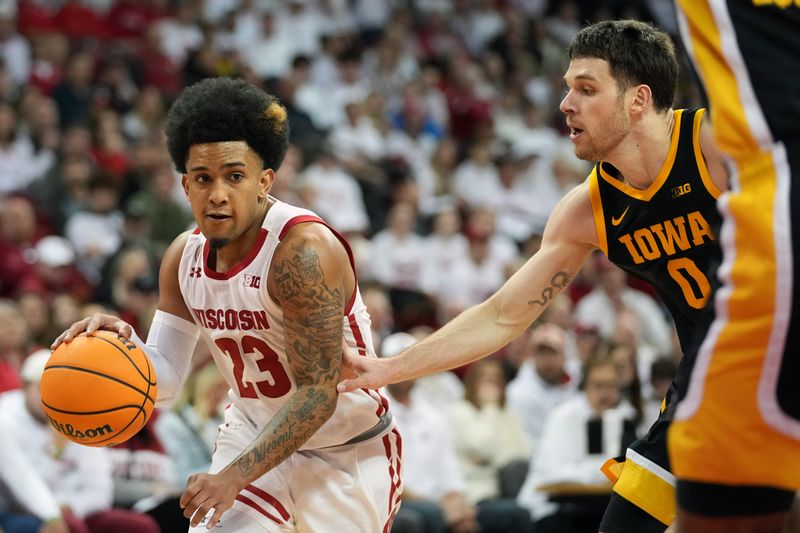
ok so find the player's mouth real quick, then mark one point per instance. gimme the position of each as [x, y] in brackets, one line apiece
[217, 217]
[574, 133]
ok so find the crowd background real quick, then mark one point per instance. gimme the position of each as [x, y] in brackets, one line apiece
[427, 131]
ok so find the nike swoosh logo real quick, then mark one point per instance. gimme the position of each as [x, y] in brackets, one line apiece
[616, 220]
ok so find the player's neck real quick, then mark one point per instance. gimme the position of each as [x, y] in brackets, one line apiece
[641, 156]
[235, 251]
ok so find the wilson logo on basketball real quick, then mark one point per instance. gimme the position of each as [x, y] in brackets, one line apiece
[74, 434]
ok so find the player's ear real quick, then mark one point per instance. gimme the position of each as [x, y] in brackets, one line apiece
[184, 183]
[642, 98]
[265, 181]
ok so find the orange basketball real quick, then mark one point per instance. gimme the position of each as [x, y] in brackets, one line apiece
[98, 390]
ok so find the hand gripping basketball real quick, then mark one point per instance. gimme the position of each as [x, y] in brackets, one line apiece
[90, 324]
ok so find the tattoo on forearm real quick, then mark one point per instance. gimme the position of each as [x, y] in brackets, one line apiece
[558, 282]
[292, 426]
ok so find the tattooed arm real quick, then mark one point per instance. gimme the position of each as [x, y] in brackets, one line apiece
[569, 238]
[311, 279]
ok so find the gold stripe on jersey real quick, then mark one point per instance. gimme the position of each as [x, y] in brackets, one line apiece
[597, 210]
[663, 174]
[647, 491]
[698, 154]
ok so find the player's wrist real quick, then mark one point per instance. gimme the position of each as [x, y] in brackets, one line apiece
[237, 476]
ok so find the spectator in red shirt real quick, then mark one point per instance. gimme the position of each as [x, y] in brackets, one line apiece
[13, 345]
[18, 233]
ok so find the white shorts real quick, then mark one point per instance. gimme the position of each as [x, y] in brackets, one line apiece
[354, 488]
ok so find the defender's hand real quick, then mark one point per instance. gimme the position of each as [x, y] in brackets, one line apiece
[363, 372]
[90, 324]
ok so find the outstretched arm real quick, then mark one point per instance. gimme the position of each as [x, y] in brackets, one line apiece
[309, 277]
[569, 238]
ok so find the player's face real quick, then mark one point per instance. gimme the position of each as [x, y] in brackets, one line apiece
[595, 109]
[227, 189]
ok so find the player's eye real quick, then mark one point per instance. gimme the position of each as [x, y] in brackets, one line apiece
[201, 178]
[237, 176]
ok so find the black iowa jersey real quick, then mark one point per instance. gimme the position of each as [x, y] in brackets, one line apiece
[663, 234]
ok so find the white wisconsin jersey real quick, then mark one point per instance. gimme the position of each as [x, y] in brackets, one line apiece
[243, 327]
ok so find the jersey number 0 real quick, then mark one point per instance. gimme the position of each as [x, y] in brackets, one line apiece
[682, 270]
[269, 362]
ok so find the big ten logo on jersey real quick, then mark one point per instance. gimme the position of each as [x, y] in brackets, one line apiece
[680, 190]
[252, 281]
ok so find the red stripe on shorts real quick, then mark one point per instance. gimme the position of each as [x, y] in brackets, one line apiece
[270, 499]
[250, 503]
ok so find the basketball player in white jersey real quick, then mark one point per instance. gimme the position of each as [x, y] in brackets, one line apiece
[273, 292]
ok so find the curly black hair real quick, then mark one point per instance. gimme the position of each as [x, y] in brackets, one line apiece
[225, 109]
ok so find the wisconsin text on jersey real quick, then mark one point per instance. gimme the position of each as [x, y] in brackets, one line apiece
[231, 319]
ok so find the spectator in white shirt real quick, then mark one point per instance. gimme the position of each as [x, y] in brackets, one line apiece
[19, 165]
[433, 486]
[542, 382]
[399, 259]
[602, 306]
[488, 436]
[96, 232]
[24, 489]
[482, 223]
[78, 477]
[446, 244]
[476, 181]
[578, 437]
[337, 197]
[14, 48]
[472, 278]
[271, 54]
[181, 34]
[434, 177]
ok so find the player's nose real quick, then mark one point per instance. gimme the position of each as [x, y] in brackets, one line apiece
[566, 104]
[218, 193]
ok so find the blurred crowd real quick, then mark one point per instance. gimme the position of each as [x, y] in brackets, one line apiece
[427, 131]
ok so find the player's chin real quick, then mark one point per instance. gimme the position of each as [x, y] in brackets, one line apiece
[215, 237]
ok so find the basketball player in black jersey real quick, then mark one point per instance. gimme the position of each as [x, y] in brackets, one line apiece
[649, 204]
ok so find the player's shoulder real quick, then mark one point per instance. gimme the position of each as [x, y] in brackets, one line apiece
[572, 218]
[311, 237]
